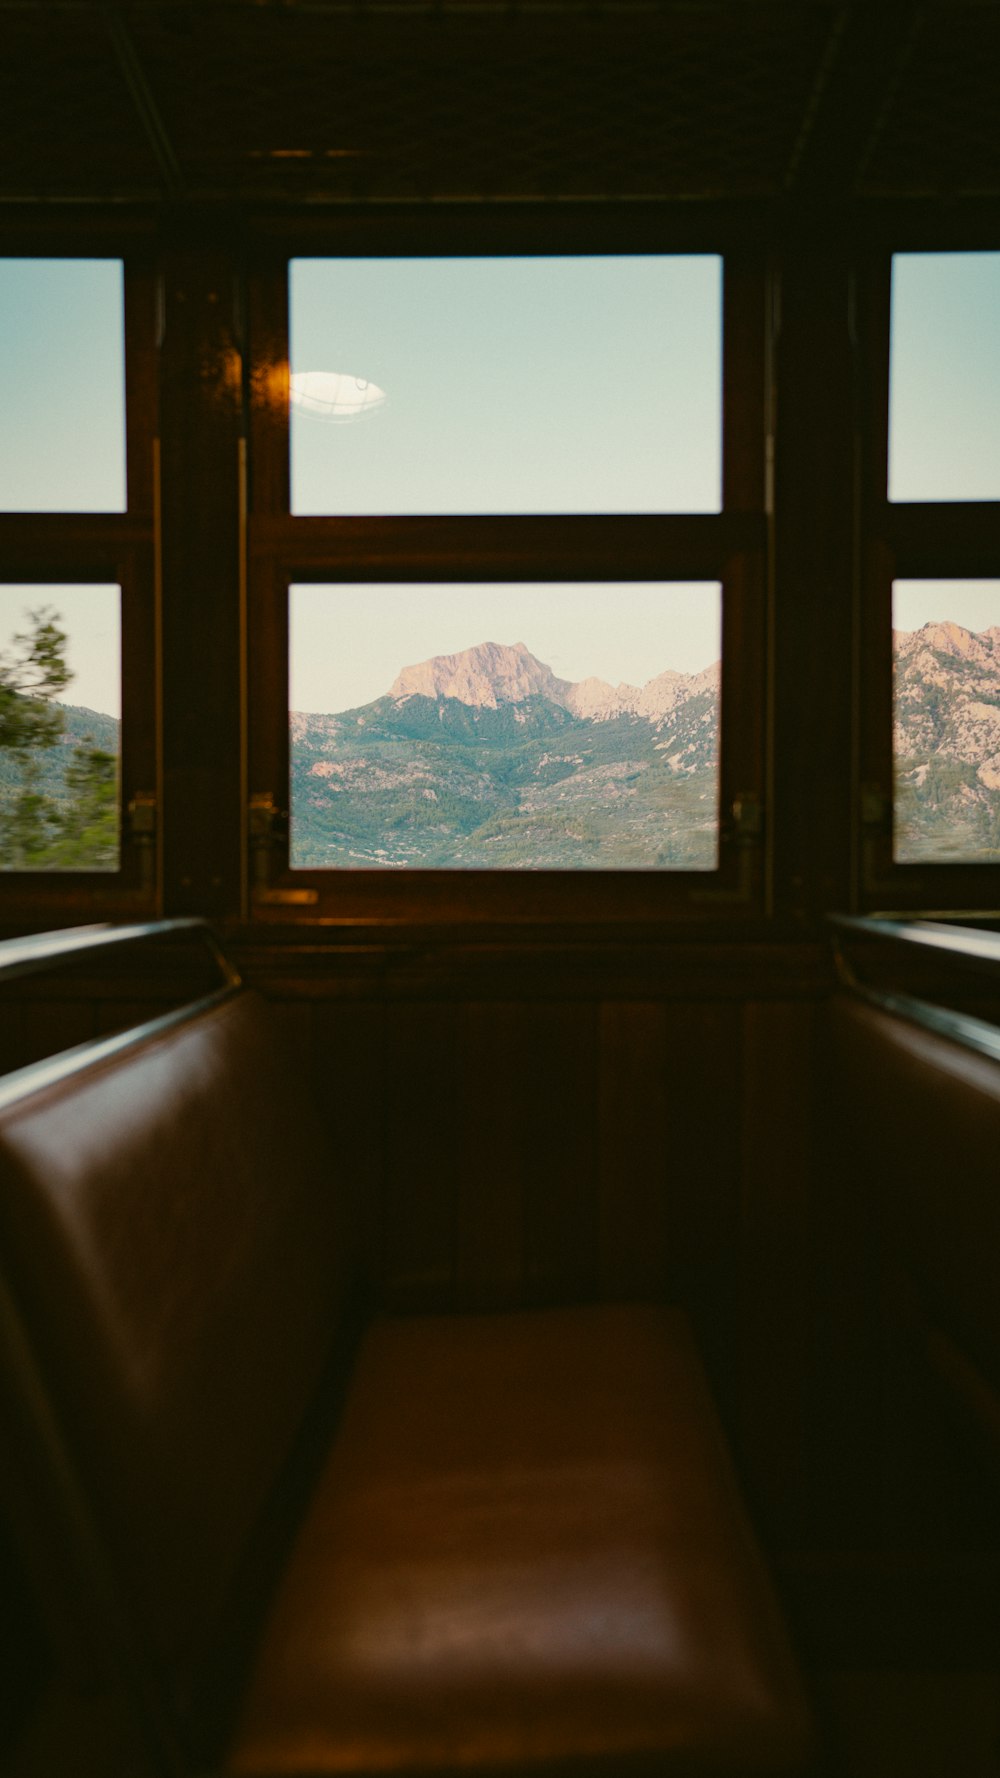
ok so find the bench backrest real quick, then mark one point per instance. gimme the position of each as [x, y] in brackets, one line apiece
[172, 1240]
[923, 1114]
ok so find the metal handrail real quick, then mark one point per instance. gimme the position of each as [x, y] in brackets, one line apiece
[41, 950]
[51, 1070]
[972, 945]
[960, 1027]
[974, 948]
[30, 955]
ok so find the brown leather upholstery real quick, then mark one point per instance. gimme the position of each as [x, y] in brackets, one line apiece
[169, 1228]
[526, 1553]
[526, 1550]
[926, 1127]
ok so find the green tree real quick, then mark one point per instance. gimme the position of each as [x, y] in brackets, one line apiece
[38, 831]
[32, 673]
[87, 834]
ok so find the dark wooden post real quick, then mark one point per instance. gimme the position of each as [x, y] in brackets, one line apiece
[201, 511]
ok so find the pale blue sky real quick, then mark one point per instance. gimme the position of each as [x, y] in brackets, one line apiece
[513, 384]
[975, 604]
[91, 618]
[944, 411]
[62, 385]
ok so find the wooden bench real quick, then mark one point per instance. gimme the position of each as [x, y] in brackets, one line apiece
[308, 1539]
[919, 1092]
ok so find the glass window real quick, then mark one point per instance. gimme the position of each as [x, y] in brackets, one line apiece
[944, 389]
[946, 734]
[62, 385]
[518, 727]
[60, 708]
[506, 385]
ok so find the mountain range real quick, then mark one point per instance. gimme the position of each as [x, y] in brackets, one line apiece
[946, 744]
[487, 758]
[80, 726]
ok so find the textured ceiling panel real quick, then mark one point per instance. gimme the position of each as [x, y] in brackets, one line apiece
[940, 131]
[276, 101]
[315, 100]
[68, 126]
[510, 104]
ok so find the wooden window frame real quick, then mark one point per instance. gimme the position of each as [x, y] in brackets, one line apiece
[906, 540]
[730, 547]
[94, 548]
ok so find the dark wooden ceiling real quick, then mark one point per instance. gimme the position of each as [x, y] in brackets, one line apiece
[326, 101]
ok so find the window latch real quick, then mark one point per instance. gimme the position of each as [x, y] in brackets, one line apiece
[874, 805]
[267, 824]
[748, 816]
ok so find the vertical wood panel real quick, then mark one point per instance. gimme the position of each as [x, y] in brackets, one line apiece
[295, 1022]
[422, 1154]
[52, 1025]
[121, 1015]
[560, 1067]
[776, 1315]
[850, 1385]
[201, 397]
[490, 1235]
[702, 1086]
[814, 577]
[670, 1164]
[527, 1212]
[12, 1052]
[633, 1139]
[348, 1075]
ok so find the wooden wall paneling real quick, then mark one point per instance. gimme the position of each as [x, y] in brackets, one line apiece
[527, 1213]
[120, 1014]
[423, 1154]
[11, 1035]
[633, 1150]
[777, 1295]
[849, 1420]
[348, 1073]
[814, 577]
[201, 421]
[702, 1083]
[295, 1020]
[49, 1026]
[559, 1069]
[362, 958]
[493, 1177]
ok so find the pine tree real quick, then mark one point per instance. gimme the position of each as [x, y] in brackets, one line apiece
[39, 831]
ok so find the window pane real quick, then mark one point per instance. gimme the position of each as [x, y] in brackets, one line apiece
[506, 385]
[549, 727]
[946, 647]
[944, 390]
[62, 377]
[60, 704]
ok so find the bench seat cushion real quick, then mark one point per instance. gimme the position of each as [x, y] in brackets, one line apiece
[526, 1551]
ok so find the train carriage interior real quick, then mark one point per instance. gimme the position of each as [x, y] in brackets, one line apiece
[499, 888]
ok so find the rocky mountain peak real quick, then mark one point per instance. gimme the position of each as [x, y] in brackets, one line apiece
[495, 673]
[486, 676]
[949, 638]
